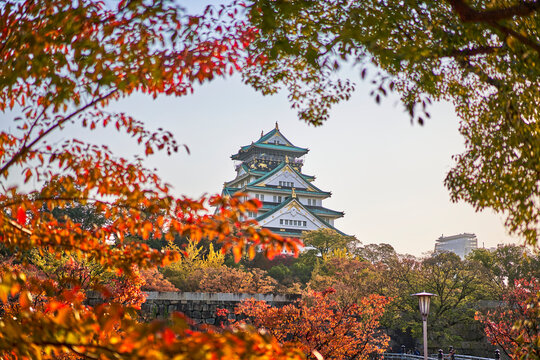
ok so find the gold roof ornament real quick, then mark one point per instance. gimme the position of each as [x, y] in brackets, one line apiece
[293, 195]
[262, 133]
[277, 127]
[286, 159]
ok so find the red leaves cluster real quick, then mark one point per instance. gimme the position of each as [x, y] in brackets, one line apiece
[154, 281]
[225, 279]
[62, 61]
[515, 325]
[317, 324]
[66, 327]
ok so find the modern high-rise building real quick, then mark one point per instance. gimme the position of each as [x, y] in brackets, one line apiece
[270, 169]
[461, 244]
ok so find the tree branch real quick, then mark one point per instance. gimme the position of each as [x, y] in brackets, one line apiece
[523, 39]
[480, 50]
[467, 66]
[468, 14]
[493, 16]
[24, 150]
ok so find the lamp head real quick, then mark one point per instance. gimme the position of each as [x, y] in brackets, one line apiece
[423, 302]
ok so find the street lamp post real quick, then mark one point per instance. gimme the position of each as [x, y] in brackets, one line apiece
[423, 302]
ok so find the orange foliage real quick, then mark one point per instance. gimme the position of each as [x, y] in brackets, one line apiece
[62, 62]
[319, 325]
[127, 290]
[229, 280]
[351, 278]
[154, 281]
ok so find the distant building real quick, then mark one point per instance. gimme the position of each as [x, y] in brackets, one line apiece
[461, 244]
[270, 169]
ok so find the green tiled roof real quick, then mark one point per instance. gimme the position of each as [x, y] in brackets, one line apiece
[288, 190]
[229, 190]
[325, 211]
[258, 172]
[268, 213]
[269, 134]
[278, 168]
[319, 210]
[261, 144]
[270, 173]
[275, 147]
[287, 233]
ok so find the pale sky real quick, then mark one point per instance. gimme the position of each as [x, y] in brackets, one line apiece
[384, 173]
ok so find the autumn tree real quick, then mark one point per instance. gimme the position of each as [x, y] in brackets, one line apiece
[459, 286]
[69, 271]
[482, 56]
[62, 63]
[154, 281]
[231, 280]
[515, 325]
[187, 273]
[290, 271]
[320, 326]
[377, 253]
[506, 264]
[351, 278]
[326, 240]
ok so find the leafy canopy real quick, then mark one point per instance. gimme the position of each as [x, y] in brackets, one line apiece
[320, 326]
[482, 56]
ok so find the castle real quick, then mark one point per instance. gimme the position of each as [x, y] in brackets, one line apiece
[270, 169]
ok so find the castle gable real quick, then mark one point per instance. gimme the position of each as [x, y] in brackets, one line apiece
[285, 176]
[292, 216]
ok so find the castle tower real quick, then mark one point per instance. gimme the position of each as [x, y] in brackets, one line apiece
[270, 169]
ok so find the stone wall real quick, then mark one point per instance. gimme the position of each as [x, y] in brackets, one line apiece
[200, 307]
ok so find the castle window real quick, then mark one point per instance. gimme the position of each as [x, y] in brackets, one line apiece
[309, 201]
[280, 221]
[305, 224]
